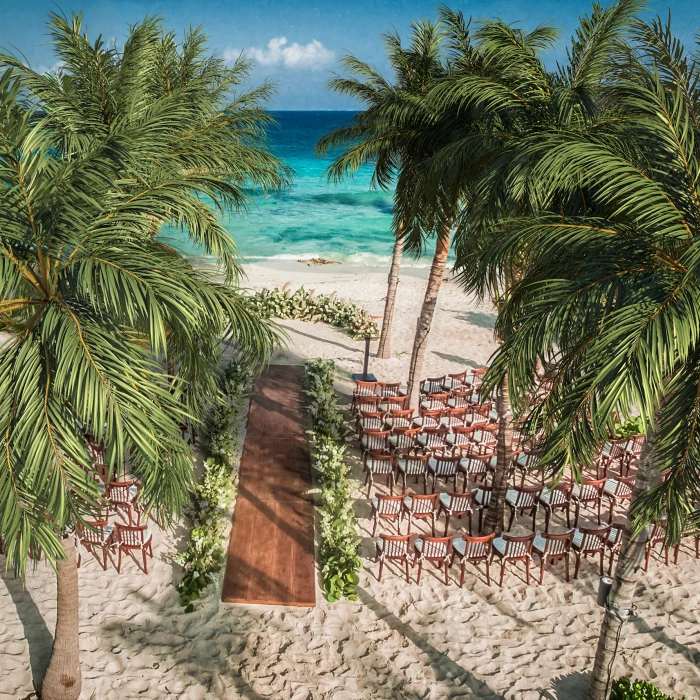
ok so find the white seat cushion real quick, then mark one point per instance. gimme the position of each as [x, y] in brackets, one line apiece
[511, 496]
[539, 543]
[578, 538]
[500, 544]
[445, 499]
[483, 498]
[460, 546]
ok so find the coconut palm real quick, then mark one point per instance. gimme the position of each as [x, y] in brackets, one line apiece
[383, 133]
[610, 291]
[99, 91]
[512, 96]
[94, 308]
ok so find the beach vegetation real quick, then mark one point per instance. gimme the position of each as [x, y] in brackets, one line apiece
[338, 547]
[627, 689]
[304, 305]
[214, 492]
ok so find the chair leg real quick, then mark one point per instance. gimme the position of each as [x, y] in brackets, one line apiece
[470, 523]
[119, 561]
[566, 564]
[612, 511]
[447, 523]
[369, 483]
[534, 519]
[447, 574]
[104, 558]
[612, 556]
[432, 523]
[488, 573]
[578, 563]
[420, 569]
[145, 563]
[577, 513]
[600, 503]
[547, 512]
[512, 517]
[602, 561]
[500, 582]
[527, 570]
[374, 526]
[381, 566]
[568, 515]
[408, 576]
[647, 554]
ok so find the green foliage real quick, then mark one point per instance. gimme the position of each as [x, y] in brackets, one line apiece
[303, 305]
[340, 560]
[215, 491]
[631, 427]
[626, 689]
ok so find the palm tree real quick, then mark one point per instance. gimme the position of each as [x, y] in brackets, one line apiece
[612, 286]
[512, 96]
[94, 307]
[100, 91]
[383, 132]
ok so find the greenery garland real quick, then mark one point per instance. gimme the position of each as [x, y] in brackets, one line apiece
[626, 689]
[210, 511]
[339, 544]
[304, 305]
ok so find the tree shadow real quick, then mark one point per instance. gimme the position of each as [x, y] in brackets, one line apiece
[456, 358]
[446, 669]
[659, 635]
[479, 318]
[39, 639]
[325, 340]
[570, 687]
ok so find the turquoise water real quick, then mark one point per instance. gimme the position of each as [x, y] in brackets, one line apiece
[348, 222]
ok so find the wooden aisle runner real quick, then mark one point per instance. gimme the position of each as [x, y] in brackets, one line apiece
[271, 549]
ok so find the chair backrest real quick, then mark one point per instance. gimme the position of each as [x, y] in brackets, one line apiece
[415, 464]
[437, 402]
[118, 491]
[477, 376]
[394, 403]
[462, 397]
[378, 460]
[621, 487]
[389, 505]
[394, 545]
[405, 413]
[518, 546]
[367, 403]
[596, 484]
[131, 535]
[97, 452]
[423, 503]
[446, 466]
[657, 530]
[458, 379]
[364, 388]
[465, 430]
[594, 538]
[557, 543]
[478, 464]
[485, 434]
[386, 389]
[617, 448]
[434, 547]
[432, 385]
[478, 547]
[635, 444]
[527, 495]
[93, 530]
[435, 414]
[435, 437]
[461, 502]
[405, 438]
[376, 439]
[459, 414]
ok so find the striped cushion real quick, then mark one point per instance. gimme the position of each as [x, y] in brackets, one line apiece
[471, 549]
[399, 441]
[483, 498]
[373, 442]
[616, 488]
[442, 467]
[411, 467]
[455, 503]
[473, 466]
[391, 548]
[520, 499]
[584, 492]
[555, 546]
[384, 507]
[425, 422]
[553, 497]
[587, 542]
[432, 549]
[509, 548]
[371, 423]
[379, 466]
[419, 506]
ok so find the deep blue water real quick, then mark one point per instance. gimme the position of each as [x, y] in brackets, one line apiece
[348, 222]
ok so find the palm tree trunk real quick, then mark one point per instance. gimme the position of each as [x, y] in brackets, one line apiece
[384, 349]
[63, 680]
[627, 575]
[495, 511]
[437, 270]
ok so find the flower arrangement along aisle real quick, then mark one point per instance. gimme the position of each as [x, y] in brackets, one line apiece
[216, 490]
[340, 560]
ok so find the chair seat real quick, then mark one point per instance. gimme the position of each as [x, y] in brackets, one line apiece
[539, 543]
[520, 499]
[390, 548]
[431, 549]
[473, 466]
[372, 423]
[457, 439]
[517, 549]
[397, 422]
[500, 544]
[553, 497]
[425, 422]
[476, 549]
[483, 498]
[617, 489]
[584, 492]
[422, 508]
[578, 538]
[457, 403]
[446, 500]
[388, 507]
[379, 466]
[410, 467]
[441, 468]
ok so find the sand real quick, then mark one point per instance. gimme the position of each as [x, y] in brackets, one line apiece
[398, 640]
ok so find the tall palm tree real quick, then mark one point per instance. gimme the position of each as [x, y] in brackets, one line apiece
[612, 288]
[100, 91]
[513, 97]
[95, 306]
[383, 133]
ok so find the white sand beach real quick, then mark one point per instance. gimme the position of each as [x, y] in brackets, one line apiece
[427, 641]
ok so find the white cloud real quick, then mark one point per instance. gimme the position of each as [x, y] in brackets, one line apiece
[278, 52]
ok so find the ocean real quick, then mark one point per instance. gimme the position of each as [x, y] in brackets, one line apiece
[348, 222]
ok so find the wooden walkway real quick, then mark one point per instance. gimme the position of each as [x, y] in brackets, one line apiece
[271, 549]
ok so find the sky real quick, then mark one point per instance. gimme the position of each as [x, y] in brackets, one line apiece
[296, 43]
